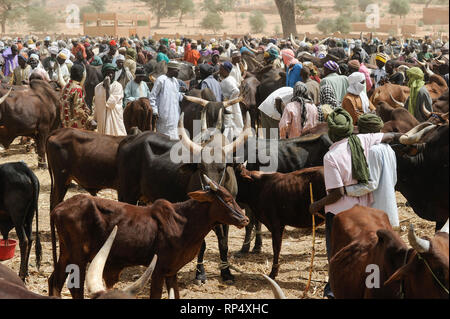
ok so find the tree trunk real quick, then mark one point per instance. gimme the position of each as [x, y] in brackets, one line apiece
[286, 9]
[158, 22]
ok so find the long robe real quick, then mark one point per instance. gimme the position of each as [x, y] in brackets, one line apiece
[233, 122]
[109, 114]
[165, 99]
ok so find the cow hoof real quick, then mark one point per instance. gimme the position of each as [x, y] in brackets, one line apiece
[42, 166]
[243, 252]
[226, 275]
[200, 280]
[256, 250]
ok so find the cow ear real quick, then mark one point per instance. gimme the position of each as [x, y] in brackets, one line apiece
[200, 196]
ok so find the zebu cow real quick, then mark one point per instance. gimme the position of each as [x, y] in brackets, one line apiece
[19, 195]
[30, 112]
[94, 76]
[172, 231]
[363, 236]
[147, 170]
[12, 287]
[138, 113]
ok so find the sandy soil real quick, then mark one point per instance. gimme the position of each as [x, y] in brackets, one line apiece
[295, 254]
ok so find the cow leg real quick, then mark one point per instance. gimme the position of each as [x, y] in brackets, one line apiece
[28, 233]
[247, 240]
[58, 276]
[157, 285]
[200, 275]
[40, 150]
[59, 189]
[23, 244]
[222, 236]
[258, 238]
[77, 291]
[171, 282]
[277, 237]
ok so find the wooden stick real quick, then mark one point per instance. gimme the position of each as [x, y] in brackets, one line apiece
[313, 244]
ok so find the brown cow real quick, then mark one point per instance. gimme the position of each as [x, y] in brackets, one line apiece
[369, 259]
[86, 157]
[280, 199]
[395, 119]
[30, 112]
[12, 287]
[390, 94]
[172, 231]
[138, 114]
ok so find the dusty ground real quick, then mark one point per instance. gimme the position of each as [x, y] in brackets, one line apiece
[294, 259]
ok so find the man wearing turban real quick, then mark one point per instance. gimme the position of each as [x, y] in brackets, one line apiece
[418, 94]
[21, 74]
[345, 164]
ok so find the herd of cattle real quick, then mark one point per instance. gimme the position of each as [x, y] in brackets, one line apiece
[179, 195]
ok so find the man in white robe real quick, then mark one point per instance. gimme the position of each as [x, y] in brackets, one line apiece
[108, 110]
[233, 122]
[165, 99]
[137, 88]
[236, 70]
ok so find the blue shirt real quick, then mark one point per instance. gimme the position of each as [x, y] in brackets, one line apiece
[293, 75]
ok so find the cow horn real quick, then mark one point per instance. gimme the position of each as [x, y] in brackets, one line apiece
[137, 286]
[210, 183]
[203, 121]
[416, 134]
[4, 97]
[419, 244]
[294, 44]
[171, 293]
[396, 102]
[425, 111]
[187, 142]
[197, 100]
[444, 228]
[245, 164]
[249, 47]
[233, 102]
[94, 275]
[241, 139]
[277, 292]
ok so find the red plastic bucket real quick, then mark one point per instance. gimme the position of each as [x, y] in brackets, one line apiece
[7, 249]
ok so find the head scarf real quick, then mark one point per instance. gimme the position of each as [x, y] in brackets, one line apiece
[120, 57]
[23, 56]
[327, 95]
[301, 96]
[206, 70]
[370, 123]
[340, 126]
[272, 54]
[331, 65]
[415, 82]
[289, 57]
[357, 88]
[227, 66]
[382, 57]
[354, 64]
[173, 64]
[108, 67]
[131, 53]
[53, 50]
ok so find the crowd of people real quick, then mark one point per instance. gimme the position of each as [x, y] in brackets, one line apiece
[359, 169]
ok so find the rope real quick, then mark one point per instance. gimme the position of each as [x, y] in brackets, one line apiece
[432, 273]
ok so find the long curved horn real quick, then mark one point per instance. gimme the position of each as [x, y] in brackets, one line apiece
[323, 41]
[210, 183]
[197, 100]
[249, 47]
[277, 292]
[294, 44]
[416, 134]
[425, 111]
[187, 142]
[219, 123]
[242, 138]
[419, 244]
[94, 275]
[204, 126]
[444, 228]
[4, 97]
[400, 104]
[137, 286]
[233, 102]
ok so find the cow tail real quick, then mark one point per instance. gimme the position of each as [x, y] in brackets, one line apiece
[149, 117]
[52, 222]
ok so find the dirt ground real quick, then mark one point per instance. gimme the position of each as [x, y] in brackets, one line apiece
[295, 254]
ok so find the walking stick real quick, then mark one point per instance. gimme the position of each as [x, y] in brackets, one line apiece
[313, 245]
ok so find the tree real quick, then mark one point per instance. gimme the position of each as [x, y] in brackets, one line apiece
[343, 6]
[399, 7]
[342, 24]
[257, 22]
[212, 21]
[325, 26]
[362, 4]
[218, 6]
[11, 10]
[286, 9]
[40, 19]
[302, 9]
[161, 8]
[98, 5]
[184, 7]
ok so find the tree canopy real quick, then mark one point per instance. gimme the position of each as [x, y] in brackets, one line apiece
[257, 22]
[399, 7]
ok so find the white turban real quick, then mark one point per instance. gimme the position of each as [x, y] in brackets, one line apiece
[120, 57]
[357, 88]
[53, 50]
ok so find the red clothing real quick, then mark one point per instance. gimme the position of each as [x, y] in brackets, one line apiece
[79, 47]
[74, 111]
[191, 56]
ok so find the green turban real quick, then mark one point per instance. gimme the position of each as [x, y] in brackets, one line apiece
[415, 83]
[340, 126]
[370, 123]
[131, 53]
[108, 67]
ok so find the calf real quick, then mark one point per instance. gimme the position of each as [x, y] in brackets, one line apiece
[12, 287]
[172, 231]
[138, 114]
[363, 236]
[19, 195]
[280, 199]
